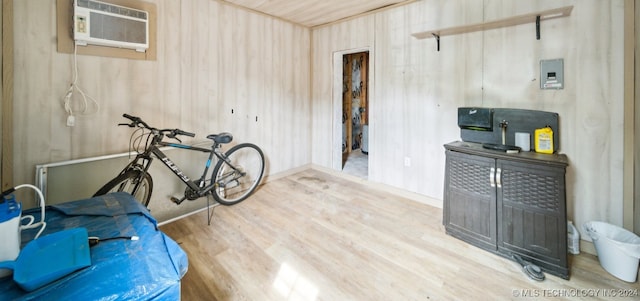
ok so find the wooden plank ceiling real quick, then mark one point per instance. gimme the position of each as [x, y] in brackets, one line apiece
[312, 13]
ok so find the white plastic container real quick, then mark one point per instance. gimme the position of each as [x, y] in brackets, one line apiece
[10, 214]
[523, 140]
[573, 239]
[618, 249]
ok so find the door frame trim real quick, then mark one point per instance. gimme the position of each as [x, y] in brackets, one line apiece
[336, 103]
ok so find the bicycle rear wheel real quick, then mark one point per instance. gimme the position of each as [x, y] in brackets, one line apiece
[135, 182]
[239, 174]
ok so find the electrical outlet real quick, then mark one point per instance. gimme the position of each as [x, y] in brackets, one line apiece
[407, 161]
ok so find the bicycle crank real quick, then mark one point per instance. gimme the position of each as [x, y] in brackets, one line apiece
[189, 194]
[177, 201]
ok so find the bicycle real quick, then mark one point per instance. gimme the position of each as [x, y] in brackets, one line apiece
[235, 176]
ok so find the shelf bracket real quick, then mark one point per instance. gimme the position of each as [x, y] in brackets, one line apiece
[538, 27]
[437, 37]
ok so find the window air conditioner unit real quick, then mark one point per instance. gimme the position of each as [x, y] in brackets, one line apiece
[105, 24]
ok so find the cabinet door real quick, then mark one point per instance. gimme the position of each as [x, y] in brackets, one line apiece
[532, 213]
[469, 199]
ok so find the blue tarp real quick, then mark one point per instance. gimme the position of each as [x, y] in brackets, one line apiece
[121, 269]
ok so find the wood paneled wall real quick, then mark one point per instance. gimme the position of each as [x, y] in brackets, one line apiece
[215, 59]
[6, 97]
[416, 90]
[218, 68]
[636, 132]
[329, 44]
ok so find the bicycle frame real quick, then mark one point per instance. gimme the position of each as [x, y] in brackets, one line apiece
[155, 150]
[230, 182]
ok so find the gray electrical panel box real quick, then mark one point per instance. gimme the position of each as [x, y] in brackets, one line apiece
[552, 74]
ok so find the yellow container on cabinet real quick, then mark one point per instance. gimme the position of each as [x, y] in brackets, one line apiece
[543, 140]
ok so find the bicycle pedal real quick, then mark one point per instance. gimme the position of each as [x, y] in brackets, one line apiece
[176, 200]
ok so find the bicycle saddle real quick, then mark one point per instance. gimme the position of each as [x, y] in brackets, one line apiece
[221, 138]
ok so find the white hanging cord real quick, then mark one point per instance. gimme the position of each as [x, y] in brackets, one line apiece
[31, 224]
[75, 87]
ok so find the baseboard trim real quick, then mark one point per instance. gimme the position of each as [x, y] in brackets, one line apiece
[587, 247]
[184, 215]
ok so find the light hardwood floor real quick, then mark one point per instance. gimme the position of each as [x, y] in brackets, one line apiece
[318, 236]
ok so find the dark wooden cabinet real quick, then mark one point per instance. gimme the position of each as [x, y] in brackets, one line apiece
[508, 203]
[470, 201]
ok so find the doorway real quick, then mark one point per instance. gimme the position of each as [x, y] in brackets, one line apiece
[355, 114]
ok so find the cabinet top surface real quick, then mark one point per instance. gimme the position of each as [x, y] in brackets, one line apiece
[477, 149]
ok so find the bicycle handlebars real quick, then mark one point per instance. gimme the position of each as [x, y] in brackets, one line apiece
[171, 133]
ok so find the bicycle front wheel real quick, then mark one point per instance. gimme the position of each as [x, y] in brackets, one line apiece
[135, 182]
[239, 174]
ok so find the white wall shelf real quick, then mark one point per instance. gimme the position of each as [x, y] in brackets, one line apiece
[535, 17]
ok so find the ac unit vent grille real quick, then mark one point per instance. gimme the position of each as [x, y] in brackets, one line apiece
[114, 9]
[117, 29]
